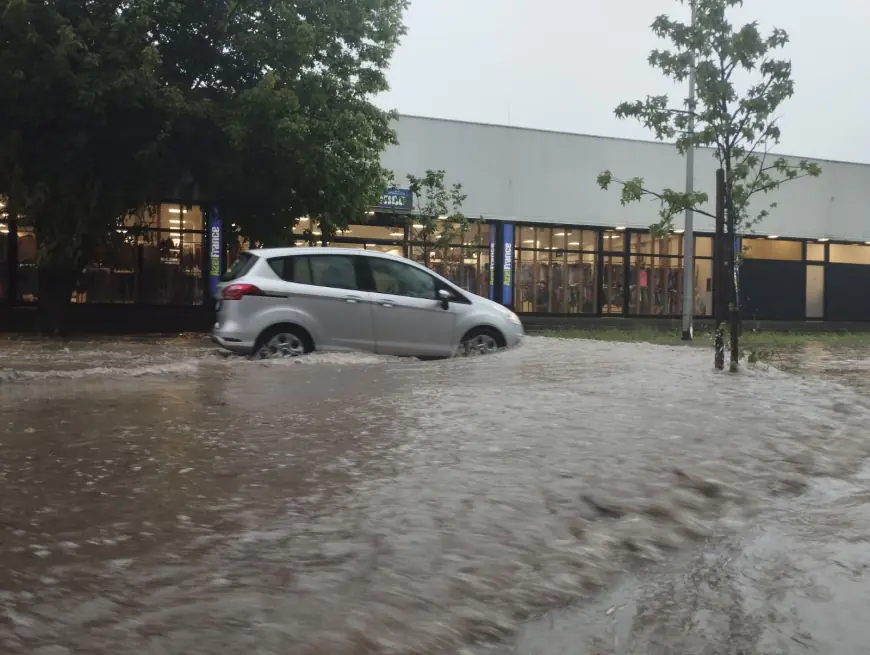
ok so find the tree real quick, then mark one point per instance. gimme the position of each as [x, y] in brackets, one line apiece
[737, 119]
[261, 108]
[438, 221]
[77, 129]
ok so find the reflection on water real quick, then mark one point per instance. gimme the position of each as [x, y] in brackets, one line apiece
[160, 499]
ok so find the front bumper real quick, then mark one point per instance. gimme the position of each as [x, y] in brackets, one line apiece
[514, 335]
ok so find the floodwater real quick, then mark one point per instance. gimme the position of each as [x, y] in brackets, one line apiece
[563, 497]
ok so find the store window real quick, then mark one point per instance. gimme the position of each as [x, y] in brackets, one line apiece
[556, 270]
[158, 263]
[647, 244]
[703, 305]
[4, 260]
[110, 276]
[580, 294]
[815, 291]
[362, 233]
[525, 282]
[772, 249]
[544, 238]
[703, 247]
[614, 241]
[612, 284]
[28, 274]
[848, 254]
[656, 285]
[581, 240]
[815, 252]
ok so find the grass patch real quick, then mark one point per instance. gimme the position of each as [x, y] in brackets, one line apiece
[750, 339]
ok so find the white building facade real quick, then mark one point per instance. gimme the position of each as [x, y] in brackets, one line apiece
[574, 249]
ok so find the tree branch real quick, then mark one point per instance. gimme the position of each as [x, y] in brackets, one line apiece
[774, 184]
[660, 196]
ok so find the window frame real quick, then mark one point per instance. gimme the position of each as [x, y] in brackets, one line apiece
[358, 279]
[368, 280]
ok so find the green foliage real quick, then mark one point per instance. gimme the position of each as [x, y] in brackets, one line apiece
[261, 108]
[737, 120]
[438, 220]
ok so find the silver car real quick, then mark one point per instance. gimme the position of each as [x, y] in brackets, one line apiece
[292, 301]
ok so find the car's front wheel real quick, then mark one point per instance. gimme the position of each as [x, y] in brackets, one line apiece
[282, 341]
[481, 341]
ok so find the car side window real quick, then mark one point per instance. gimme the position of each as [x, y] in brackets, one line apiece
[398, 279]
[292, 269]
[334, 271]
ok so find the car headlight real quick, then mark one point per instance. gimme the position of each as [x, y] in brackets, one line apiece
[513, 318]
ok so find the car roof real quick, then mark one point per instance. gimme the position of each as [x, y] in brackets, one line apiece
[317, 250]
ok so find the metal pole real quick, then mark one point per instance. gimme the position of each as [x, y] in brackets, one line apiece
[689, 234]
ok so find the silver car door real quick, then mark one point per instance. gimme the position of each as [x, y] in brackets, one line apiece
[409, 319]
[325, 287]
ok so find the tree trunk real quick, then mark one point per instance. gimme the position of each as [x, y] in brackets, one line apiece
[56, 284]
[719, 272]
[733, 309]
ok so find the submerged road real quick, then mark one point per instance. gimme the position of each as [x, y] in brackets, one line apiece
[564, 497]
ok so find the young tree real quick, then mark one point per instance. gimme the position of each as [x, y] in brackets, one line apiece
[735, 117]
[438, 221]
[261, 108]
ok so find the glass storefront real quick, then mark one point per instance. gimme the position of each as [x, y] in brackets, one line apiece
[152, 258]
[4, 260]
[158, 257]
[27, 271]
[555, 270]
[566, 270]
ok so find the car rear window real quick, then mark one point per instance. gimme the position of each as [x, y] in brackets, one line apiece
[241, 267]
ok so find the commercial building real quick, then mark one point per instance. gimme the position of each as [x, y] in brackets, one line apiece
[550, 242]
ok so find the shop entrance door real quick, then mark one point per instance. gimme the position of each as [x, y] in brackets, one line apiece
[612, 283]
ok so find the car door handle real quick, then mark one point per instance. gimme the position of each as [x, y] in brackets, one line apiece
[352, 299]
[386, 304]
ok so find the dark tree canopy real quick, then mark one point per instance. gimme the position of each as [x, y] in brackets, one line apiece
[262, 108]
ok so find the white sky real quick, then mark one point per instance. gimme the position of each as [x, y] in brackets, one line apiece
[565, 64]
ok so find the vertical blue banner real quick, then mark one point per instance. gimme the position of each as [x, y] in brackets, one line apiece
[508, 288]
[215, 232]
[491, 261]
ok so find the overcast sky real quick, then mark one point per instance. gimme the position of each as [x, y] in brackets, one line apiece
[565, 64]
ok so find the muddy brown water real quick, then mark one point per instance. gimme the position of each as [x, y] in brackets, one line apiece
[564, 497]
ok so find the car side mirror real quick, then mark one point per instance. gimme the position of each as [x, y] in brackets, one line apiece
[445, 297]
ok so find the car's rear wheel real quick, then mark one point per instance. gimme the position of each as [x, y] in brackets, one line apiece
[283, 341]
[481, 341]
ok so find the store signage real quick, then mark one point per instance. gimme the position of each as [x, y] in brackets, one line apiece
[216, 234]
[396, 200]
[492, 261]
[507, 289]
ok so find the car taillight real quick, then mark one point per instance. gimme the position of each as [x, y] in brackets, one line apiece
[239, 291]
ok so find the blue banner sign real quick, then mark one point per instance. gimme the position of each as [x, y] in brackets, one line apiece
[396, 200]
[216, 247]
[508, 268]
[491, 264]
